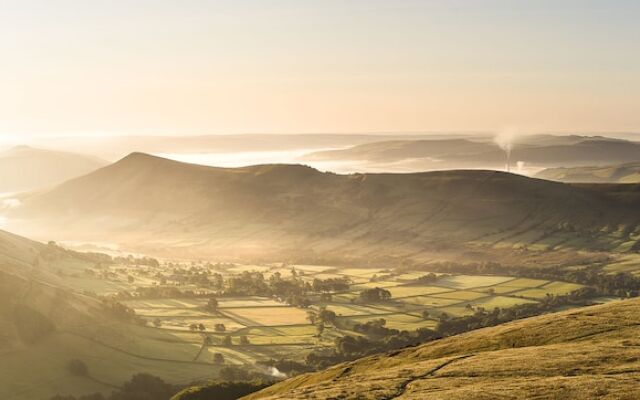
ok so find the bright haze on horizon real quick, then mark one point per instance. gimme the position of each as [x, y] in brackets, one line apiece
[194, 67]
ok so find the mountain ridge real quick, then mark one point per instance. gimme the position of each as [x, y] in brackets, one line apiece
[279, 208]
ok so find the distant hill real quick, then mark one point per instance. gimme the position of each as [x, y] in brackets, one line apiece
[116, 147]
[293, 210]
[620, 173]
[590, 353]
[26, 168]
[536, 151]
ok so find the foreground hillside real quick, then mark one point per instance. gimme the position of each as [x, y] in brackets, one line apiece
[25, 168]
[591, 353]
[296, 211]
[619, 173]
[44, 324]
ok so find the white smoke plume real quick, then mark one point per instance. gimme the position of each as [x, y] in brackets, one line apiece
[505, 140]
[273, 371]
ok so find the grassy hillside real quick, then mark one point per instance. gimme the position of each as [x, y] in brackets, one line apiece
[591, 353]
[44, 324]
[293, 210]
[620, 173]
[25, 168]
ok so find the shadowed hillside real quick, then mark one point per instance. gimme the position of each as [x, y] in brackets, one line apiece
[591, 353]
[25, 168]
[293, 209]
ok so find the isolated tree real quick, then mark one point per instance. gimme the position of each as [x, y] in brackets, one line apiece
[157, 322]
[327, 316]
[319, 329]
[244, 341]
[227, 341]
[201, 327]
[425, 314]
[220, 328]
[212, 304]
[78, 367]
[312, 317]
[193, 327]
[218, 358]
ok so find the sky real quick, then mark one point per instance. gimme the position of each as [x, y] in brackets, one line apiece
[119, 67]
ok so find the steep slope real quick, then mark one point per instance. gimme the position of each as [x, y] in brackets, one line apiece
[25, 168]
[45, 323]
[619, 173]
[290, 209]
[535, 151]
[591, 353]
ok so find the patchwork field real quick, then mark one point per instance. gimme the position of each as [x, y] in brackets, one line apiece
[269, 327]
[179, 330]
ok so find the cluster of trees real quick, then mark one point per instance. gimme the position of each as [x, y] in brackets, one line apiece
[293, 290]
[375, 328]
[139, 387]
[331, 285]
[222, 390]
[228, 341]
[131, 260]
[119, 311]
[375, 295]
[320, 318]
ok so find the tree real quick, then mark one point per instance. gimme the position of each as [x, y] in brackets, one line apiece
[375, 295]
[193, 327]
[244, 341]
[425, 314]
[212, 305]
[157, 322]
[227, 341]
[312, 316]
[220, 328]
[201, 327]
[218, 358]
[78, 367]
[327, 316]
[319, 329]
[234, 374]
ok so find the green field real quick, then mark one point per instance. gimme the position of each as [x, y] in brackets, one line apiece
[168, 346]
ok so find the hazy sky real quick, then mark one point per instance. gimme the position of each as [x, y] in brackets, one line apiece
[197, 67]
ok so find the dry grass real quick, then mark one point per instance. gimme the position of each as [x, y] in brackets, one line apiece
[591, 353]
